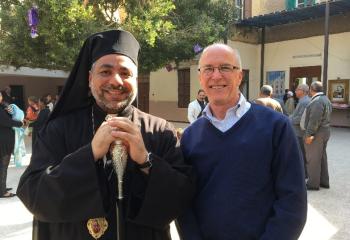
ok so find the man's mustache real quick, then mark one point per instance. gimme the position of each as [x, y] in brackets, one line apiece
[121, 88]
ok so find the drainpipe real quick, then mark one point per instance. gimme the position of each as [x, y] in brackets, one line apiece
[262, 56]
[326, 43]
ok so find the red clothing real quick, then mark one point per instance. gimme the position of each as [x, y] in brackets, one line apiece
[32, 113]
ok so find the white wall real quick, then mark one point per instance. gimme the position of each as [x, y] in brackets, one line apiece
[195, 85]
[250, 56]
[163, 85]
[339, 56]
[281, 56]
[35, 72]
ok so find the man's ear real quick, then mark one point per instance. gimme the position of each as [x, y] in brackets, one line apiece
[240, 77]
[90, 76]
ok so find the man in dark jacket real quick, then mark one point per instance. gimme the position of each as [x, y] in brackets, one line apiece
[317, 133]
[7, 143]
[71, 185]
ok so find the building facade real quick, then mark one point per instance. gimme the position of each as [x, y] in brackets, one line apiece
[293, 53]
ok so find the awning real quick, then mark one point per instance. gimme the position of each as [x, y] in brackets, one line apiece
[336, 7]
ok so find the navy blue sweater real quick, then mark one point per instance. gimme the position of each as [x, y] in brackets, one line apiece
[250, 179]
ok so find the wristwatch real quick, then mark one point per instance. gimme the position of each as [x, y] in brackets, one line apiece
[147, 163]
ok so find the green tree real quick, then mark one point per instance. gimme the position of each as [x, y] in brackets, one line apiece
[225, 13]
[166, 29]
[65, 24]
[62, 27]
[193, 22]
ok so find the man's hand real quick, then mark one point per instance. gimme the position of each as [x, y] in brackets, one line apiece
[102, 140]
[131, 136]
[308, 140]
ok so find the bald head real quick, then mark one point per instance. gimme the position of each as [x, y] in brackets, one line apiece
[316, 86]
[234, 52]
[266, 91]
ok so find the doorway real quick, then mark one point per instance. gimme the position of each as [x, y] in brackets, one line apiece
[143, 92]
[17, 93]
[244, 87]
[307, 75]
[184, 80]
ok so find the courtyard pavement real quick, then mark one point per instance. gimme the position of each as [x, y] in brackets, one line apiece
[328, 209]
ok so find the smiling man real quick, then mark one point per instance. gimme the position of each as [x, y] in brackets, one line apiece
[71, 184]
[249, 167]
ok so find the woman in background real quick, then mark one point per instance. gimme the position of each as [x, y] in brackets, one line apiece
[20, 150]
[43, 115]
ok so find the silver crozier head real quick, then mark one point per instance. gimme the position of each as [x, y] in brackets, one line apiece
[119, 155]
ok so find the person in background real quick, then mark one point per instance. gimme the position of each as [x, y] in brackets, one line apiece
[31, 113]
[71, 184]
[179, 132]
[302, 93]
[290, 103]
[32, 109]
[49, 101]
[317, 133]
[56, 99]
[6, 95]
[285, 96]
[265, 99]
[196, 107]
[250, 175]
[40, 121]
[19, 150]
[7, 143]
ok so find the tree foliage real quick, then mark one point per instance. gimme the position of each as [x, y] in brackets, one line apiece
[166, 29]
[63, 24]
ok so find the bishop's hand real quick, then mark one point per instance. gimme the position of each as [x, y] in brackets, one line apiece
[131, 136]
[102, 140]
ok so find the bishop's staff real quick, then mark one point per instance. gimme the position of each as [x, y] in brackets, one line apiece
[119, 158]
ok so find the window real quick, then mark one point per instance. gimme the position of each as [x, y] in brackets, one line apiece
[240, 8]
[299, 3]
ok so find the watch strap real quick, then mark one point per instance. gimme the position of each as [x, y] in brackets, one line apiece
[147, 163]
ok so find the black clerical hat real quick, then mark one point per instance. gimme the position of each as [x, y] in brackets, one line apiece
[114, 41]
[75, 94]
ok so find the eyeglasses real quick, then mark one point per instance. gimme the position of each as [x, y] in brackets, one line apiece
[208, 70]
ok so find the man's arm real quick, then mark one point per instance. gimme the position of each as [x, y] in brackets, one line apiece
[170, 184]
[191, 112]
[61, 183]
[290, 207]
[188, 228]
[295, 117]
[314, 118]
[6, 121]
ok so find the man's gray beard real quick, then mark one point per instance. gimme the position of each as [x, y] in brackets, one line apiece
[110, 107]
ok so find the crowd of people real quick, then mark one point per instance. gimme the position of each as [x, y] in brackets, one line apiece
[15, 123]
[103, 169]
[310, 117]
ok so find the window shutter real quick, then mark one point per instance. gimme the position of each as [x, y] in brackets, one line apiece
[183, 87]
[290, 4]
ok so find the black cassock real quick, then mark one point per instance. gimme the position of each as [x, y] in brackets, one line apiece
[64, 187]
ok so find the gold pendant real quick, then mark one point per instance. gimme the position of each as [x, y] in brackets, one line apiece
[97, 227]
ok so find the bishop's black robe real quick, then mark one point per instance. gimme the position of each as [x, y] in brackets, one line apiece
[64, 187]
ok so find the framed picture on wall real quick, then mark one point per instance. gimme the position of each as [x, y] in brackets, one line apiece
[338, 90]
[276, 80]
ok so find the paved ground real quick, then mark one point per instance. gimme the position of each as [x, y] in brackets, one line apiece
[328, 214]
